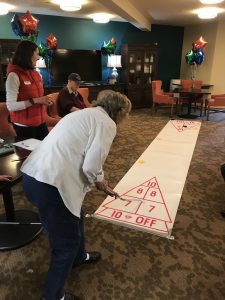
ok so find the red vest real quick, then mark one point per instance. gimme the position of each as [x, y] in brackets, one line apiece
[30, 87]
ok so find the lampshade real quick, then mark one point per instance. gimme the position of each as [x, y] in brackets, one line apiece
[114, 61]
[40, 63]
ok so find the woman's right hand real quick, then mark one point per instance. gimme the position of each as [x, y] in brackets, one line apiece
[103, 186]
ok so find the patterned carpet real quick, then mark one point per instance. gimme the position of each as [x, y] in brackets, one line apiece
[137, 265]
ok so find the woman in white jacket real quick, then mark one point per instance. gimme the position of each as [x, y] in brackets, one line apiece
[58, 174]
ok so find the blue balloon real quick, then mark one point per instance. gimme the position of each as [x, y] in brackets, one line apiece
[199, 56]
[51, 52]
[16, 25]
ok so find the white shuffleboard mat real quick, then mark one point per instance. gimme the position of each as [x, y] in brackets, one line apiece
[153, 186]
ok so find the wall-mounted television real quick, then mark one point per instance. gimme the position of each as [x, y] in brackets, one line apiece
[87, 63]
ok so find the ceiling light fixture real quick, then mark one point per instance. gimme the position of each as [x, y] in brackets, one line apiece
[101, 17]
[4, 8]
[208, 12]
[71, 5]
[211, 1]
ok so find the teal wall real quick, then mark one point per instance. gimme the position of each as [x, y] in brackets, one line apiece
[85, 34]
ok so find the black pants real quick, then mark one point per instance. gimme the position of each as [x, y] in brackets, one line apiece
[222, 168]
[24, 133]
[65, 233]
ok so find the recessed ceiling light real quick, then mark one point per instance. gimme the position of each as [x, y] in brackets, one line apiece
[101, 17]
[208, 12]
[4, 8]
[211, 1]
[70, 5]
[61, 1]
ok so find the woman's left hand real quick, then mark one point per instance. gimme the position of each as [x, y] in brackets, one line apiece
[49, 100]
[46, 100]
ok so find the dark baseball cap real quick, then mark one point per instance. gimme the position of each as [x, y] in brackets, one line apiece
[74, 77]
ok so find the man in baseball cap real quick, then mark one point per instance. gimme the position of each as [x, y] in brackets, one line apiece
[74, 77]
[69, 98]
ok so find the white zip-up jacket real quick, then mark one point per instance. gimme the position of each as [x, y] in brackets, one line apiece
[71, 157]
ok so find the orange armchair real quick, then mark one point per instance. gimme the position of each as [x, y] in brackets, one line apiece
[187, 84]
[85, 94]
[160, 97]
[199, 99]
[215, 104]
[6, 128]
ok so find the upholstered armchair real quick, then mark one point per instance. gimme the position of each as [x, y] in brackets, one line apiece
[159, 97]
[187, 84]
[199, 98]
[6, 128]
[215, 104]
[85, 94]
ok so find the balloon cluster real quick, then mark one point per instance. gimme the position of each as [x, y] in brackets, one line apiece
[26, 28]
[47, 49]
[196, 54]
[109, 48]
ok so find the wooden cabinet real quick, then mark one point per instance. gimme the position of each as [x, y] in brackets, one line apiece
[95, 89]
[7, 49]
[139, 69]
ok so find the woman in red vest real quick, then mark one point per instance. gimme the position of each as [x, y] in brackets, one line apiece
[25, 93]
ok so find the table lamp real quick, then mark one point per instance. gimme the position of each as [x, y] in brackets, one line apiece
[114, 61]
[40, 64]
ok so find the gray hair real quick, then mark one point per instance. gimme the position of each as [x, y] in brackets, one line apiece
[114, 103]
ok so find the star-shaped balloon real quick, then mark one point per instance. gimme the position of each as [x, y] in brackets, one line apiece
[109, 48]
[51, 41]
[113, 41]
[29, 23]
[200, 43]
[199, 56]
[43, 50]
[189, 57]
[16, 25]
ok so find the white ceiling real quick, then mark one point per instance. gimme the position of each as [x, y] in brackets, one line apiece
[141, 13]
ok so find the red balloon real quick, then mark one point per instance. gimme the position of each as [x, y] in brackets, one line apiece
[200, 43]
[113, 41]
[29, 23]
[51, 41]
